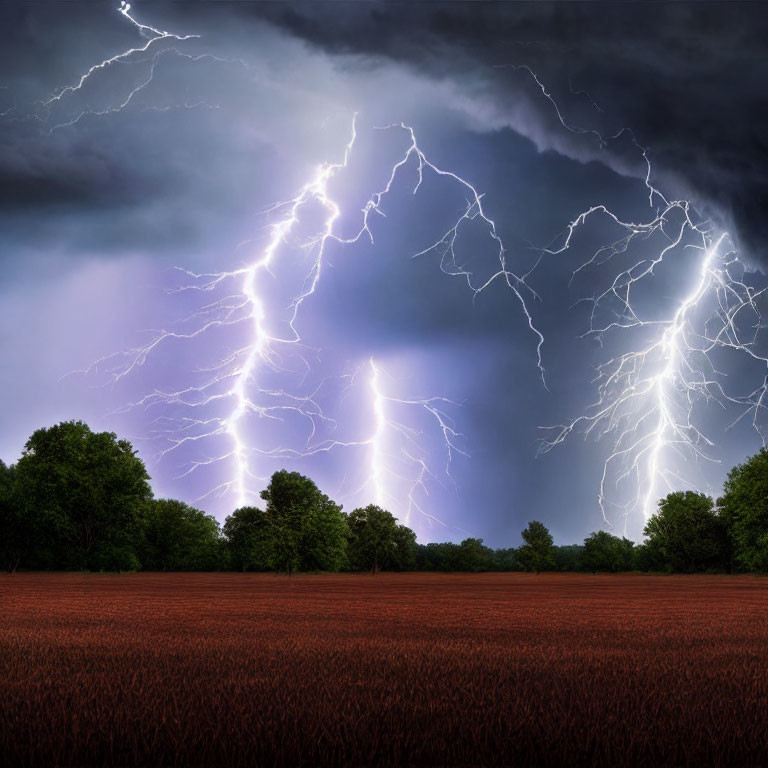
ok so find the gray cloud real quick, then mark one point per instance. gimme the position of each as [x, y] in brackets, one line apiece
[687, 78]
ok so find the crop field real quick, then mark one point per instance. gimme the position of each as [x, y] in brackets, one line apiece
[428, 669]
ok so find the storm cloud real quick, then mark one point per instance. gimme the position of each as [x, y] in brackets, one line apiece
[686, 78]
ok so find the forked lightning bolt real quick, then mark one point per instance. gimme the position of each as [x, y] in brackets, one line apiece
[150, 52]
[234, 383]
[151, 34]
[235, 379]
[398, 458]
[648, 397]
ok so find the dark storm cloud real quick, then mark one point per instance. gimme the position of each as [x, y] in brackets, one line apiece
[687, 78]
[36, 169]
[69, 155]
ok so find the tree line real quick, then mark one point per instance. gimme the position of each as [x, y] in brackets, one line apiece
[81, 500]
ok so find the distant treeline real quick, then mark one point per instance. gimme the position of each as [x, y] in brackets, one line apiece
[80, 500]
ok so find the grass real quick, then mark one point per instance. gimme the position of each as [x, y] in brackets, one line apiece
[410, 669]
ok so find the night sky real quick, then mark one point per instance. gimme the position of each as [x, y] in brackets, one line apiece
[175, 156]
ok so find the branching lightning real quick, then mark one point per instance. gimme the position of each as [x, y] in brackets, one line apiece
[150, 53]
[398, 458]
[238, 393]
[648, 398]
[151, 34]
[235, 379]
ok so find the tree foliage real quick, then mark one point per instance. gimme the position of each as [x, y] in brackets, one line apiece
[247, 532]
[470, 555]
[744, 509]
[308, 531]
[538, 552]
[16, 529]
[686, 534]
[568, 557]
[403, 556]
[79, 499]
[85, 492]
[505, 559]
[377, 541]
[473, 556]
[176, 537]
[606, 552]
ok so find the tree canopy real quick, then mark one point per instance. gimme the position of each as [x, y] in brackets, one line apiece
[308, 531]
[377, 540]
[84, 492]
[15, 528]
[176, 537]
[247, 532]
[538, 552]
[78, 499]
[744, 508]
[686, 534]
[605, 552]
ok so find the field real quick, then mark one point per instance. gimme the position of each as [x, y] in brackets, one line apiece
[428, 669]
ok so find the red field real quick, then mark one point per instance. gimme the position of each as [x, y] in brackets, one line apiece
[496, 669]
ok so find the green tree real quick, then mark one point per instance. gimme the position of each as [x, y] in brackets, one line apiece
[16, 530]
[307, 531]
[248, 537]
[506, 560]
[605, 552]
[377, 541]
[87, 489]
[371, 537]
[442, 556]
[176, 537]
[744, 510]
[537, 554]
[645, 558]
[568, 557]
[403, 555]
[686, 534]
[474, 556]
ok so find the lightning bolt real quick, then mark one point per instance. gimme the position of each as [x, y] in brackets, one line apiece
[648, 397]
[245, 302]
[142, 53]
[234, 390]
[398, 458]
[152, 35]
[445, 246]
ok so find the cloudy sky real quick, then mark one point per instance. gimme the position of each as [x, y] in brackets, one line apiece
[141, 151]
